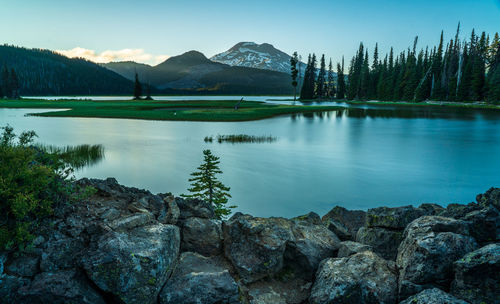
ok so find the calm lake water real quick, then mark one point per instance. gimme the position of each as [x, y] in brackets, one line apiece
[358, 158]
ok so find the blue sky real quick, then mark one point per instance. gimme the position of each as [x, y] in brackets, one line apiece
[154, 29]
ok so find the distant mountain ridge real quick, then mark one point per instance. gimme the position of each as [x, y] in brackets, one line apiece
[260, 56]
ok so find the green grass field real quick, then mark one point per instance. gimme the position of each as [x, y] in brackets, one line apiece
[163, 110]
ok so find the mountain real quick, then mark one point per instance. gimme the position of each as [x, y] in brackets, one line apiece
[259, 56]
[44, 72]
[193, 73]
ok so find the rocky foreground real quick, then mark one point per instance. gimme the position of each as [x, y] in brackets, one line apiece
[127, 245]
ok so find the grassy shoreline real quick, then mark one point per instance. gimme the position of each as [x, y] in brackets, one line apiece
[198, 110]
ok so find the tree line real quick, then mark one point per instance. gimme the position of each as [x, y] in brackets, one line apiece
[9, 83]
[456, 70]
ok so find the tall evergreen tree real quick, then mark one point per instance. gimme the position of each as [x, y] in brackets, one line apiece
[321, 82]
[331, 81]
[341, 86]
[137, 87]
[479, 69]
[5, 82]
[294, 73]
[14, 84]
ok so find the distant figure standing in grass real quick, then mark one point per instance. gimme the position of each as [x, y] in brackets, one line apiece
[238, 104]
[205, 186]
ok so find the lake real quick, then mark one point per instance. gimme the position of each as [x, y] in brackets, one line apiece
[358, 158]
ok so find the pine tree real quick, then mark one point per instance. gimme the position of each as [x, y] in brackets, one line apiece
[5, 81]
[294, 73]
[479, 69]
[137, 87]
[307, 91]
[365, 78]
[331, 82]
[206, 187]
[494, 77]
[14, 84]
[321, 82]
[340, 80]
[436, 91]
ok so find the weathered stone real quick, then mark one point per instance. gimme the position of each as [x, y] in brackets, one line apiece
[172, 213]
[133, 266]
[61, 252]
[194, 208]
[484, 224]
[477, 276]
[201, 235]
[426, 255]
[198, 279]
[9, 286]
[352, 219]
[284, 290]
[132, 221]
[383, 241]
[255, 246]
[349, 248]
[311, 217]
[490, 198]
[433, 296]
[265, 295]
[392, 218]
[311, 244]
[59, 288]
[339, 229]
[26, 266]
[360, 278]
[458, 211]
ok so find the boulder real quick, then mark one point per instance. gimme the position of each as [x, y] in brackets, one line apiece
[351, 219]
[61, 252]
[59, 287]
[133, 265]
[194, 208]
[392, 218]
[311, 217]
[198, 279]
[425, 257]
[201, 235]
[172, 213]
[477, 275]
[383, 241]
[490, 198]
[433, 296]
[9, 286]
[349, 248]
[309, 246]
[361, 278]
[24, 266]
[255, 246]
[484, 224]
[339, 229]
[284, 290]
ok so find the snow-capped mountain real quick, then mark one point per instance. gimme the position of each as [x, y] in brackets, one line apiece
[259, 56]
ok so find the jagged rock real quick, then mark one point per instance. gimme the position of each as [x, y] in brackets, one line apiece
[484, 224]
[431, 209]
[349, 248]
[25, 266]
[60, 252]
[132, 221]
[286, 290]
[392, 218]
[458, 211]
[383, 241]
[194, 208]
[361, 278]
[9, 285]
[59, 288]
[265, 295]
[426, 255]
[310, 245]
[198, 279]
[201, 235]
[477, 276]
[352, 219]
[311, 217]
[490, 198]
[173, 211]
[255, 246]
[433, 296]
[339, 229]
[134, 265]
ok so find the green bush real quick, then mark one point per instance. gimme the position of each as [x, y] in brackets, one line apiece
[32, 182]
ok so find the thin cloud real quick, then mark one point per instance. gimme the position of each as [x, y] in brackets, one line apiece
[137, 55]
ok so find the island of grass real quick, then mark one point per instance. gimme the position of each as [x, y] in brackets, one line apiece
[223, 110]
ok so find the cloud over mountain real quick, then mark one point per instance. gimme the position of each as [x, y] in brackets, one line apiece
[137, 55]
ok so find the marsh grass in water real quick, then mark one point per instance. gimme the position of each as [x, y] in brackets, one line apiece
[240, 138]
[77, 156]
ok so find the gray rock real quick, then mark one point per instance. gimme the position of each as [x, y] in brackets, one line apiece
[477, 276]
[339, 229]
[132, 221]
[426, 255]
[484, 224]
[392, 218]
[255, 246]
[311, 217]
[490, 198]
[352, 219]
[266, 295]
[61, 252]
[285, 290]
[9, 285]
[172, 212]
[383, 241]
[59, 288]
[26, 266]
[310, 245]
[194, 208]
[133, 266]
[198, 279]
[360, 278]
[433, 296]
[349, 248]
[201, 235]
